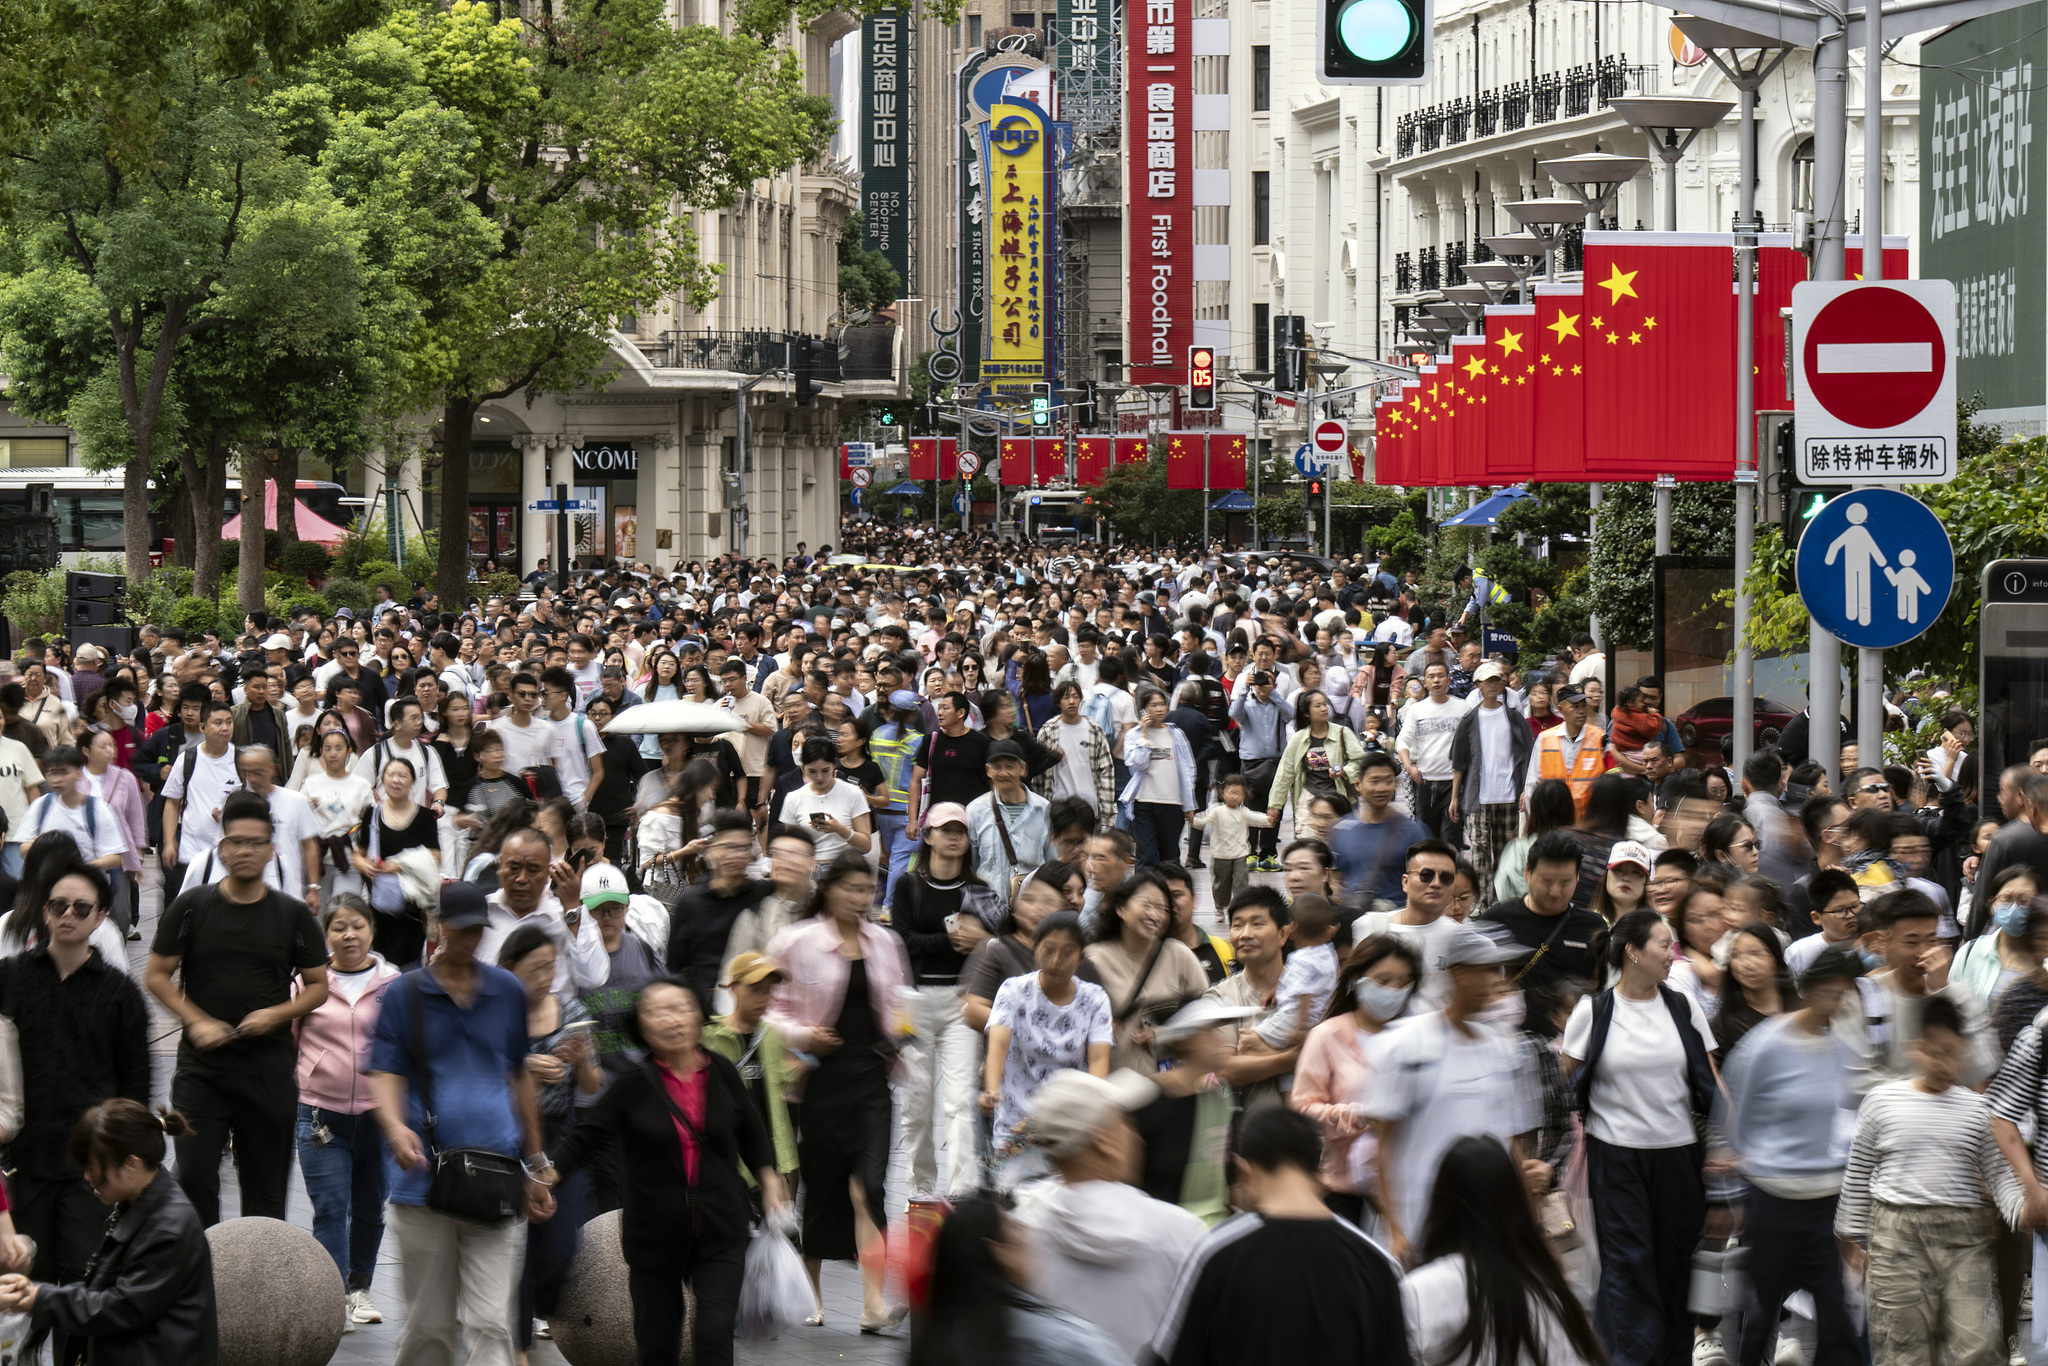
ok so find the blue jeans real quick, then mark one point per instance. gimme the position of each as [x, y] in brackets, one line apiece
[345, 1181]
[896, 850]
[1156, 826]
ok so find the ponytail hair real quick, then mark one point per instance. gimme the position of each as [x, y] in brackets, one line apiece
[113, 1131]
[1632, 931]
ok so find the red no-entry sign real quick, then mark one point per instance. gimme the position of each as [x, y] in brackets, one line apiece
[1875, 394]
[1331, 437]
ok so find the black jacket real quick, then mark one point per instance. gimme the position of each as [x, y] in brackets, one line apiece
[84, 1039]
[149, 1299]
[660, 1225]
[698, 926]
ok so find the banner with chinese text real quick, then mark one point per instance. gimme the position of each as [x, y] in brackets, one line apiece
[1018, 175]
[885, 139]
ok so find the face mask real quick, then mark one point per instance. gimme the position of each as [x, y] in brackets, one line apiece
[1506, 1013]
[1382, 1002]
[2010, 917]
[1871, 961]
[126, 713]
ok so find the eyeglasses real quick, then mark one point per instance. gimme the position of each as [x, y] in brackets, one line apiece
[1429, 875]
[59, 909]
[1747, 846]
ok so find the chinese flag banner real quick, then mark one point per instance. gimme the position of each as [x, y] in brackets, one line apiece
[1778, 268]
[1092, 455]
[924, 458]
[1407, 440]
[949, 457]
[1129, 448]
[1226, 461]
[1014, 460]
[1430, 421]
[1557, 422]
[1184, 459]
[1660, 355]
[1049, 459]
[1470, 400]
[1897, 264]
[1511, 351]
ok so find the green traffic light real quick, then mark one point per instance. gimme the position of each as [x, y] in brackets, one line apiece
[1376, 30]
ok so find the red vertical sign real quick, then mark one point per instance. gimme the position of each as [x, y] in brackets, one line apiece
[1558, 427]
[1159, 179]
[1226, 460]
[1049, 459]
[1511, 352]
[1013, 464]
[1184, 459]
[1092, 455]
[1129, 448]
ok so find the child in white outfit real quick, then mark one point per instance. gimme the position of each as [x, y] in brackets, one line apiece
[1229, 823]
[1309, 978]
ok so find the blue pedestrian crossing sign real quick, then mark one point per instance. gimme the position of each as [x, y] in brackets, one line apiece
[1875, 568]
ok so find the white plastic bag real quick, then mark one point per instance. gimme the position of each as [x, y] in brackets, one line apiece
[13, 1337]
[776, 1293]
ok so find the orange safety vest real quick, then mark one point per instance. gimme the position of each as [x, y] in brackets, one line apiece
[1585, 768]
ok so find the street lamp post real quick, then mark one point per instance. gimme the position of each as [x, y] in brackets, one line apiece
[1747, 60]
[1594, 179]
[1256, 378]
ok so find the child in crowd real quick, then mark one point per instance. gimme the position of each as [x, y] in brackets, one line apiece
[1303, 993]
[1913, 1209]
[1229, 822]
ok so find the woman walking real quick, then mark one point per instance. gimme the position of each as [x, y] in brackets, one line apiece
[1148, 973]
[684, 1127]
[1638, 1058]
[1162, 787]
[1041, 1022]
[1322, 759]
[1334, 1071]
[341, 1151]
[841, 1004]
[396, 824]
[108, 779]
[981, 1312]
[339, 799]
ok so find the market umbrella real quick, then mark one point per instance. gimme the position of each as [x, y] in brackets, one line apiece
[673, 716]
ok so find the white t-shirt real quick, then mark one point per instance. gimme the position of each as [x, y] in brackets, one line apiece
[1427, 729]
[1496, 757]
[587, 679]
[577, 740]
[294, 722]
[1161, 782]
[337, 804]
[1044, 1038]
[844, 802]
[455, 679]
[1394, 631]
[1639, 1097]
[529, 746]
[1431, 941]
[1075, 776]
[212, 780]
[1446, 1086]
[428, 777]
[1122, 710]
[18, 773]
[1799, 957]
[96, 836]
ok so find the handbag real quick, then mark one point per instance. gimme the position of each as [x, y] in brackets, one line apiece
[387, 892]
[473, 1184]
[1560, 1225]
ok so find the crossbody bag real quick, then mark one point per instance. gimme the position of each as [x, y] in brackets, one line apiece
[474, 1184]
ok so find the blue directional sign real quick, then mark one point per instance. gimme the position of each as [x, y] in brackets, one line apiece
[1875, 568]
[959, 502]
[1307, 461]
[856, 497]
[561, 505]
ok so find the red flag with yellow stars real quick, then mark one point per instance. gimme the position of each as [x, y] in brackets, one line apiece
[1897, 264]
[1092, 455]
[1226, 460]
[1660, 355]
[1431, 425]
[1184, 459]
[1385, 457]
[1129, 448]
[1470, 397]
[1013, 465]
[1779, 266]
[1049, 459]
[1512, 345]
[1557, 419]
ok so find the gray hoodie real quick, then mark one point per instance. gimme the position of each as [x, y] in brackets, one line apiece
[1108, 1253]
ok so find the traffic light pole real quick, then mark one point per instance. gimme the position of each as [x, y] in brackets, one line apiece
[1869, 662]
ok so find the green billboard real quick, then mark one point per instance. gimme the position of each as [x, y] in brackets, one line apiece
[1981, 149]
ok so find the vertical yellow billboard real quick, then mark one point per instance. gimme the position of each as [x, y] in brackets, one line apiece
[1019, 226]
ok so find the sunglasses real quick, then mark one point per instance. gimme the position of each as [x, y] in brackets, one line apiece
[1429, 875]
[60, 909]
[1872, 789]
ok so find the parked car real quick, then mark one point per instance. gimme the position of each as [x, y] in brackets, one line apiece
[1706, 724]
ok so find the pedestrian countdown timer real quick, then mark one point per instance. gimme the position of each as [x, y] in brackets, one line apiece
[1202, 377]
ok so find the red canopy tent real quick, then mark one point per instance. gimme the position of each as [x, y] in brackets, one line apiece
[312, 526]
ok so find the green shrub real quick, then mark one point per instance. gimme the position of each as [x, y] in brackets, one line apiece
[192, 615]
[33, 601]
[156, 597]
[316, 601]
[307, 560]
[390, 575]
[353, 594]
[502, 585]
[230, 560]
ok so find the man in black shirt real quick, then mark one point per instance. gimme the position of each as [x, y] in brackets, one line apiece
[1545, 920]
[1288, 1280]
[702, 919]
[234, 948]
[84, 1038]
[953, 760]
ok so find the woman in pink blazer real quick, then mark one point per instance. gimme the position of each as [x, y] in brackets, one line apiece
[107, 778]
[838, 1009]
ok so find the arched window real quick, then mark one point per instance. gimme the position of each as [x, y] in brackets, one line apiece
[1802, 177]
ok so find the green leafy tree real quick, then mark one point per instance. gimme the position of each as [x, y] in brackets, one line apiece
[1135, 500]
[867, 281]
[1619, 584]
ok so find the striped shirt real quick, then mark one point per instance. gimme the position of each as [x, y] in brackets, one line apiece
[2018, 1091]
[1922, 1149]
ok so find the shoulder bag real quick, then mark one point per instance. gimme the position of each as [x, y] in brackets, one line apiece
[474, 1184]
[387, 892]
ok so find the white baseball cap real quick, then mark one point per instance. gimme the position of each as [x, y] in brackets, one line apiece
[604, 883]
[1070, 1107]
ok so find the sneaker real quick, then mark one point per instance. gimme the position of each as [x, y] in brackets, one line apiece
[361, 1309]
[1708, 1351]
[1789, 1353]
[541, 1329]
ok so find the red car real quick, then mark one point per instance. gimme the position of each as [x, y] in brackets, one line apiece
[1708, 723]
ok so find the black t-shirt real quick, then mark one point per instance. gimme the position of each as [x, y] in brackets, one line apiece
[868, 777]
[423, 833]
[1265, 1290]
[237, 959]
[917, 913]
[955, 765]
[1571, 951]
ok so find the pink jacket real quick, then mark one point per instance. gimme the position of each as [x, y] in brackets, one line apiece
[124, 794]
[334, 1046]
[809, 1000]
[1330, 1079]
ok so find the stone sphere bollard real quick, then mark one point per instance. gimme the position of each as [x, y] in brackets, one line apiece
[593, 1323]
[280, 1299]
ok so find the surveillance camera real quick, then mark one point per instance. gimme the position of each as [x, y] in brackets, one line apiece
[1325, 327]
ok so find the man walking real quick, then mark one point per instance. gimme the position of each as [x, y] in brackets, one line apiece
[1489, 763]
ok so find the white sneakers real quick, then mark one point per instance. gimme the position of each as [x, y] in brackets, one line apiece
[361, 1309]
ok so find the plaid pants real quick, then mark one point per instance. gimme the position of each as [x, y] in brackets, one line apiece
[1490, 828]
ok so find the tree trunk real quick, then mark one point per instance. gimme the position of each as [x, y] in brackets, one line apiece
[183, 543]
[451, 573]
[207, 486]
[142, 405]
[249, 574]
[286, 468]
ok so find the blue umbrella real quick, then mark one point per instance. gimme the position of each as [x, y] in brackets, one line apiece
[1488, 511]
[1235, 501]
[905, 489]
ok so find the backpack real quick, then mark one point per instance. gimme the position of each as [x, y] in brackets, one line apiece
[92, 819]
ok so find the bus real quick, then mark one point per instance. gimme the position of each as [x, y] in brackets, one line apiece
[87, 506]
